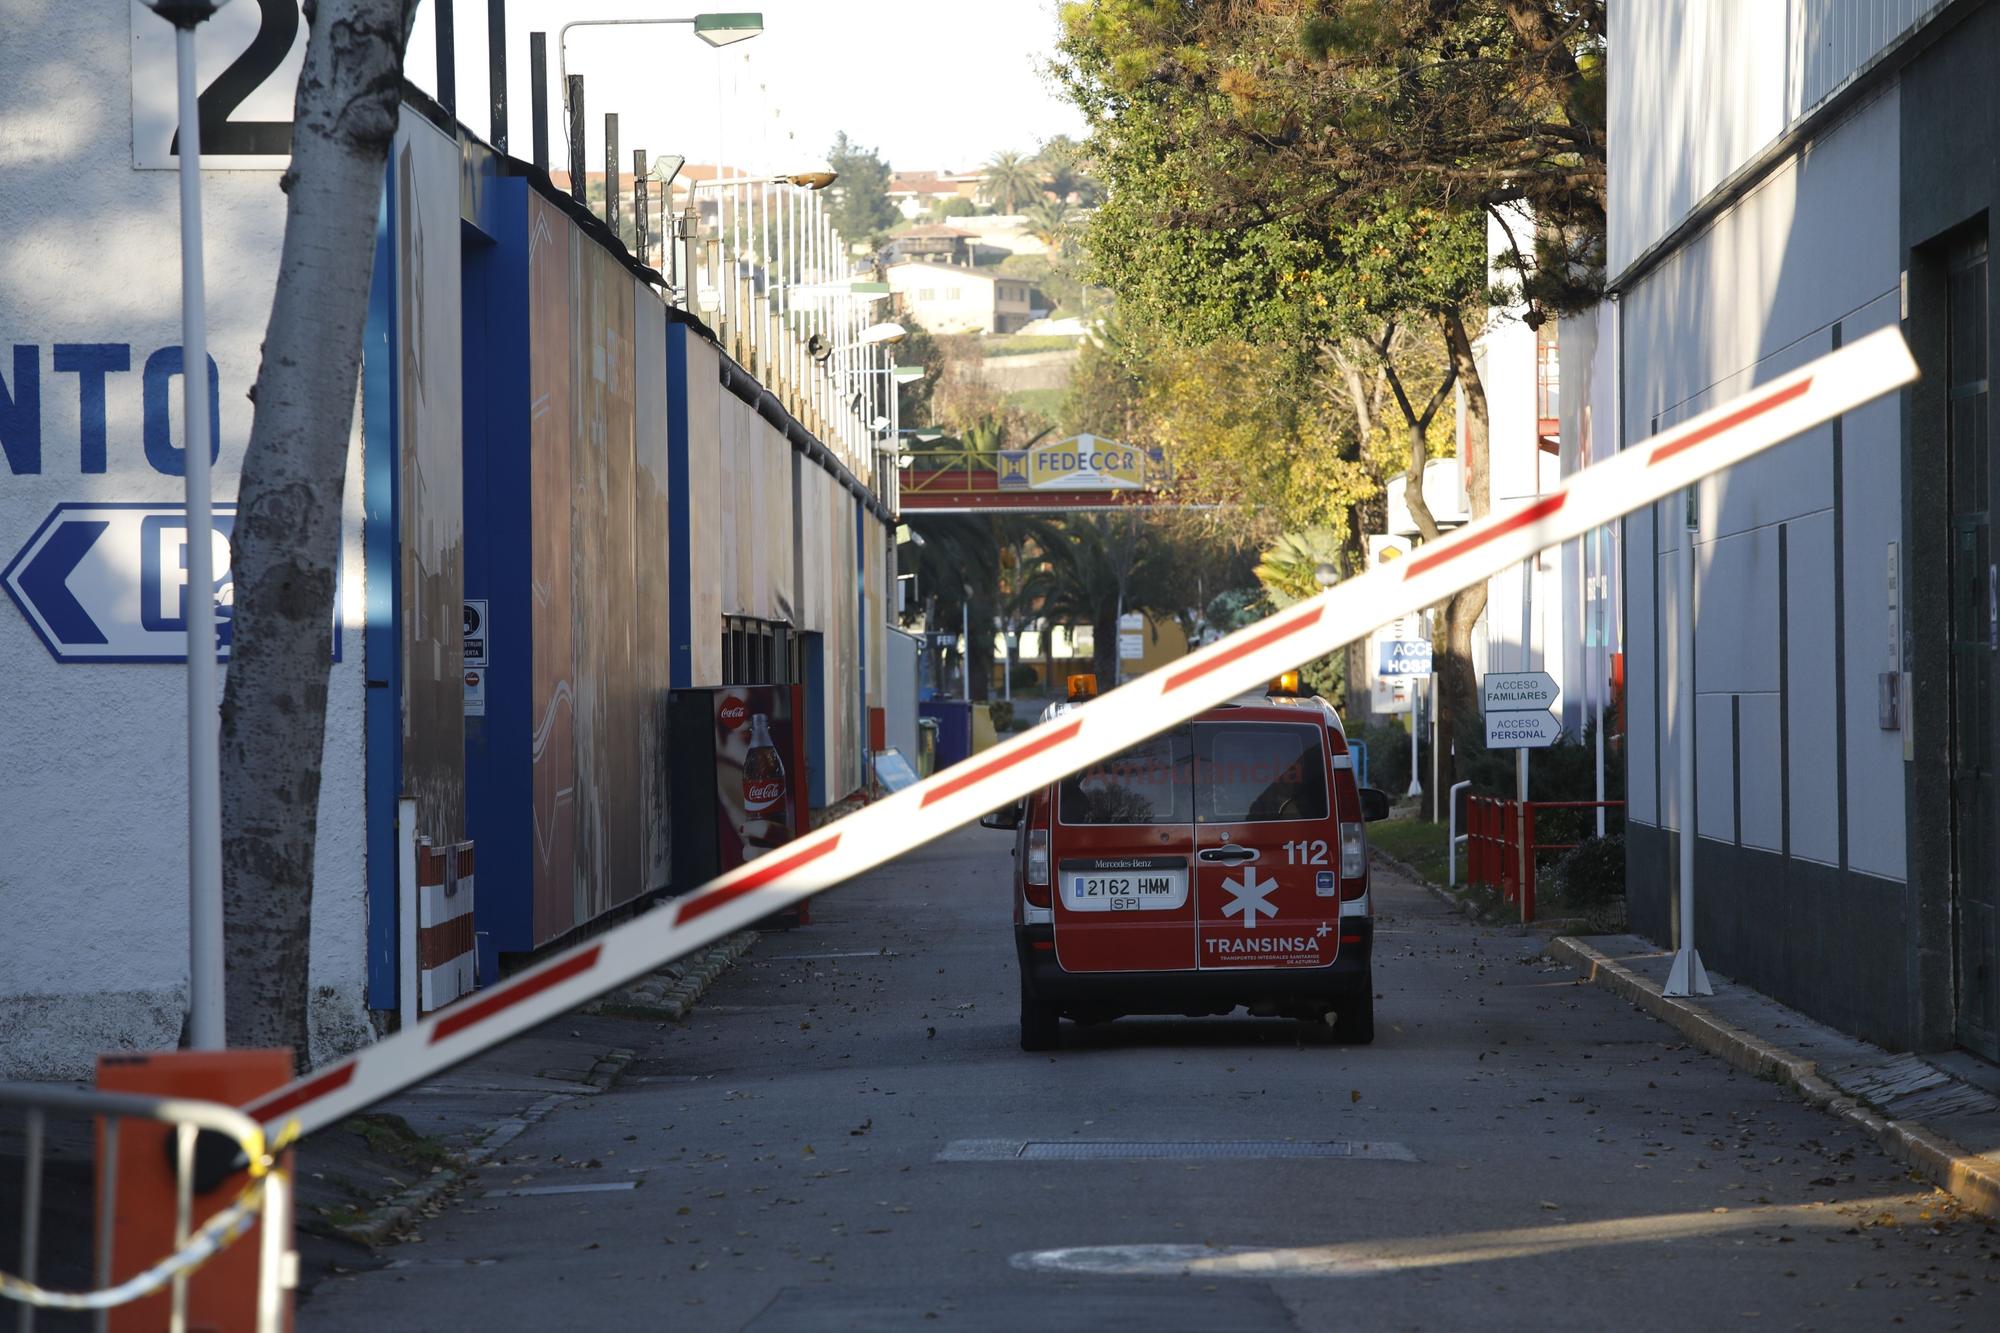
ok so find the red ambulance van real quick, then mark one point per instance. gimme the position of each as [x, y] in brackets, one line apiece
[1223, 863]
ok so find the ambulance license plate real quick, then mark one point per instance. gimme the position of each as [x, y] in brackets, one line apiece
[1143, 889]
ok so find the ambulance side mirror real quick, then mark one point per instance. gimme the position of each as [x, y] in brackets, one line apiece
[1007, 817]
[1374, 804]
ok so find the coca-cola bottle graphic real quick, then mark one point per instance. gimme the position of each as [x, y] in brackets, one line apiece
[763, 792]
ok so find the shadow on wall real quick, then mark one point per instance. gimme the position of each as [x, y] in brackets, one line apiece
[1790, 592]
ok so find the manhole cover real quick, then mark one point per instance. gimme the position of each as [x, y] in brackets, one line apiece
[1079, 1150]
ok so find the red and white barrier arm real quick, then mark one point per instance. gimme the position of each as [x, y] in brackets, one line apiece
[1243, 662]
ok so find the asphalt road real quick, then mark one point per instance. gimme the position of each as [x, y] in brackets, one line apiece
[834, 1142]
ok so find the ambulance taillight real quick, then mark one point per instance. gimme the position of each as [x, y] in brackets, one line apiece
[1036, 877]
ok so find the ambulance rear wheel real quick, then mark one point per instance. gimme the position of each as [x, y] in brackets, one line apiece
[1039, 1024]
[1354, 1018]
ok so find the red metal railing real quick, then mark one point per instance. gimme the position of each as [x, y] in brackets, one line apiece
[1501, 845]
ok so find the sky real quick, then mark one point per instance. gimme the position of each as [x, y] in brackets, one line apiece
[931, 84]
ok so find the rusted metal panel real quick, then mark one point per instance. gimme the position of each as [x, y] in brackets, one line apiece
[590, 593]
[618, 756]
[653, 573]
[431, 519]
[550, 241]
[704, 509]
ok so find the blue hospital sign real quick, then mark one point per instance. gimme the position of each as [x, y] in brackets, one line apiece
[1406, 657]
[108, 582]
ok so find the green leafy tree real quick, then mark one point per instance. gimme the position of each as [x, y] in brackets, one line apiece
[1312, 179]
[860, 207]
[1064, 164]
[1011, 180]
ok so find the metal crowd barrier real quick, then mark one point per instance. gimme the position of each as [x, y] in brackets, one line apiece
[1502, 844]
[268, 1194]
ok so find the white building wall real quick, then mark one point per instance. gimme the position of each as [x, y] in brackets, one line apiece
[1754, 295]
[93, 841]
[943, 297]
[1518, 471]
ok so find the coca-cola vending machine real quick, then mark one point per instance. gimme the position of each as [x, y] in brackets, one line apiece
[752, 739]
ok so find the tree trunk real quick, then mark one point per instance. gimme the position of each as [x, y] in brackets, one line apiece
[979, 650]
[1458, 687]
[1452, 636]
[287, 538]
[1104, 647]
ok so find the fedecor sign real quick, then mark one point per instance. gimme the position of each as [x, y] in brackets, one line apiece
[1084, 463]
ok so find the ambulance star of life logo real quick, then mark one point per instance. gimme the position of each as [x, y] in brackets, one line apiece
[1251, 896]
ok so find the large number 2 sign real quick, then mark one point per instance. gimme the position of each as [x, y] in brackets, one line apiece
[245, 108]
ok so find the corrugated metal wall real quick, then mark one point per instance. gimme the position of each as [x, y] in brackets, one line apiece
[1700, 87]
[1829, 40]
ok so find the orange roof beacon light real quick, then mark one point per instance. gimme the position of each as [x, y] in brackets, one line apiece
[1286, 684]
[1082, 686]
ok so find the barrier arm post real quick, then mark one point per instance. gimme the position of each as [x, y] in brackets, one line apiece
[1688, 976]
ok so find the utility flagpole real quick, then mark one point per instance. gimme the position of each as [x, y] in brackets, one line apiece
[1688, 977]
[205, 1021]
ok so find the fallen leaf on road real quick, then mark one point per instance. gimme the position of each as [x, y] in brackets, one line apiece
[1354, 1096]
[1552, 1207]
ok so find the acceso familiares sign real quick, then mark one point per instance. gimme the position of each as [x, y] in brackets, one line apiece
[1518, 691]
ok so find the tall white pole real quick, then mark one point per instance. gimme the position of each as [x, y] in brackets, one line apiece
[1603, 565]
[205, 1021]
[1688, 977]
[1596, 641]
[1527, 664]
[1437, 746]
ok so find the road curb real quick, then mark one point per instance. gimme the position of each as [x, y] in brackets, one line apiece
[1972, 1179]
[672, 992]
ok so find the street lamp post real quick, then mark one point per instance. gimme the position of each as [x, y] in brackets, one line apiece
[205, 967]
[717, 30]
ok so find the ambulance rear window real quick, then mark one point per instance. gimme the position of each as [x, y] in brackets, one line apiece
[1259, 771]
[1150, 783]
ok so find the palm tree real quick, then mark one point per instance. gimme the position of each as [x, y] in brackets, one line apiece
[1049, 221]
[1062, 162]
[1289, 569]
[1010, 177]
[1289, 572]
[958, 567]
[1096, 568]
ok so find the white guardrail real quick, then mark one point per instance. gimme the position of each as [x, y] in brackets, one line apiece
[1648, 471]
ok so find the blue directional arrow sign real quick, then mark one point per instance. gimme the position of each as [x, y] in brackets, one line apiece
[108, 582]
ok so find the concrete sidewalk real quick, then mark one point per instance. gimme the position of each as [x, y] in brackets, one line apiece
[370, 1179]
[1922, 1110]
